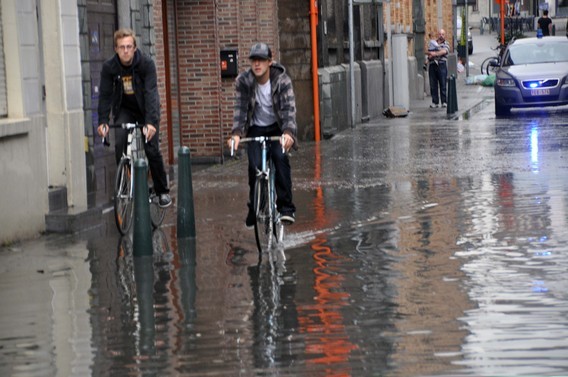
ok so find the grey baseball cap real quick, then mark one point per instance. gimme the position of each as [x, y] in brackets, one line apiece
[260, 50]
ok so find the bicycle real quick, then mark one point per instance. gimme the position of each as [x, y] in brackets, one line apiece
[124, 181]
[268, 229]
[490, 65]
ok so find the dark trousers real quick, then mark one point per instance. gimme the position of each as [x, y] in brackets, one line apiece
[283, 174]
[152, 149]
[438, 76]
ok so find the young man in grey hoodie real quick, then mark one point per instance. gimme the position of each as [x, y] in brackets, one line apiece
[265, 105]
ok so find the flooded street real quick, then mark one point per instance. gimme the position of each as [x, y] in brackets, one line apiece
[422, 247]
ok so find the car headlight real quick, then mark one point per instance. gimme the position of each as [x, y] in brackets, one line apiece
[505, 82]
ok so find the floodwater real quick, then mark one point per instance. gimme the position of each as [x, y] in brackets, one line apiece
[420, 249]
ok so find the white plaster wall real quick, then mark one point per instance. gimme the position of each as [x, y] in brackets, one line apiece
[42, 142]
[24, 183]
[65, 121]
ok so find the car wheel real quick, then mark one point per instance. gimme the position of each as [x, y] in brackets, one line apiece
[501, 110]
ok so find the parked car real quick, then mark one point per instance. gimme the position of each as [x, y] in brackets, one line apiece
[469, 36]
[532, 73]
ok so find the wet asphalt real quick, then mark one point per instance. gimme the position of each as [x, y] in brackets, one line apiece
[426, 245]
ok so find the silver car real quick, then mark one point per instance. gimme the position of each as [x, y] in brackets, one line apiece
[533, 73]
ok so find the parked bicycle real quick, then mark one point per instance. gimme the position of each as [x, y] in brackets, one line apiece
[268, 229]
[490, 65]
[124, 181]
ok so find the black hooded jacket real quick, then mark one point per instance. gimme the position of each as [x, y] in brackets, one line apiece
[145, 88]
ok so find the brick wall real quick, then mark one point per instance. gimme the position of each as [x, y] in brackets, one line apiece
[204, 28]
[159, 58]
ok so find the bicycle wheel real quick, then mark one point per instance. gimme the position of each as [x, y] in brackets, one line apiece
[489, 65]
[123, 203]
[157, 213]
[263, 227]
[492, 67]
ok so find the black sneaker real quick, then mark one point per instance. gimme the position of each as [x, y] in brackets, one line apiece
[251, 220]
[287, 218]
[165, 200]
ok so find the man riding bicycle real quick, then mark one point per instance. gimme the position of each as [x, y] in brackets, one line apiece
[265, 105]
[129, 90]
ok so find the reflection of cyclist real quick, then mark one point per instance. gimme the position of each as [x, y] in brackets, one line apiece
[265, 106]
[129, 91]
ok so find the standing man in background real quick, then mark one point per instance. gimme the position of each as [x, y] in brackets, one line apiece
[438, 72]
[545, 24]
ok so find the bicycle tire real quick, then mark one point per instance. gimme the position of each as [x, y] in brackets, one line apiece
[486, 66]
[123, 201]
[492, 68]
[157, 213]
[263, 226]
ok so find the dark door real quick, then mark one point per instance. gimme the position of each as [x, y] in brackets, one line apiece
[102, 22]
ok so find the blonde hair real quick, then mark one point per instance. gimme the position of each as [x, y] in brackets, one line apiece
[123, 33]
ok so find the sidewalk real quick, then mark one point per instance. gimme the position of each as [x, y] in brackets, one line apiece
[468, 96]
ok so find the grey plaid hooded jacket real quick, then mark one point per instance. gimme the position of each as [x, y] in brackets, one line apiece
[283, 101]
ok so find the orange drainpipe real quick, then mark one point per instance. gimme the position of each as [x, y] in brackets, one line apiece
[502, 15]
[315, 82]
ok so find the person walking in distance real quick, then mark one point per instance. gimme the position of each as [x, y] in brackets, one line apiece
[265, 105]
[129, 94]
[438, 73]
[545, 24]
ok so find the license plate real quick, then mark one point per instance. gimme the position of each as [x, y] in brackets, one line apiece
[540, 92]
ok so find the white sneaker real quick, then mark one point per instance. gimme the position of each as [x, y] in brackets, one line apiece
[288, 219]
[434, 106]
[444, 105]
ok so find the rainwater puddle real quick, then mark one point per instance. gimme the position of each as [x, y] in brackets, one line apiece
[427, 250]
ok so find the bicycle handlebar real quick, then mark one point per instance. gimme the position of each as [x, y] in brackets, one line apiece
[259, 139]
[125, 126]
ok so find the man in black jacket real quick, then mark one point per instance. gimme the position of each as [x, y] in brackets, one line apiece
[129, 94]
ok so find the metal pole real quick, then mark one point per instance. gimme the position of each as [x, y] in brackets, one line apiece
[351, 64]
[142, 224]
[315, 79]
[389, 40]
[466, 39]
[185, 208]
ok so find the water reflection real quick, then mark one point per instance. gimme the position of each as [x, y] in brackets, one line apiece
[274, 316]
[534, 148]
[146, 305]
[422, 249]
[514, 275]
[323, 323]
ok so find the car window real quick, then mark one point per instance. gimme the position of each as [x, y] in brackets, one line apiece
[536, 53]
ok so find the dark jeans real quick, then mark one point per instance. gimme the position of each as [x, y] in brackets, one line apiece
[438, 76]
[283, 174]
[152, 149]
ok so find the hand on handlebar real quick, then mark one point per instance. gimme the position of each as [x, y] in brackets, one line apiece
[149, 131]
[103, 132]
[233, 143]
[287, 141]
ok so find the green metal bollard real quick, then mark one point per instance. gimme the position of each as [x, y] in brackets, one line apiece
[142, 226]
[452, 95]
[185, 211]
